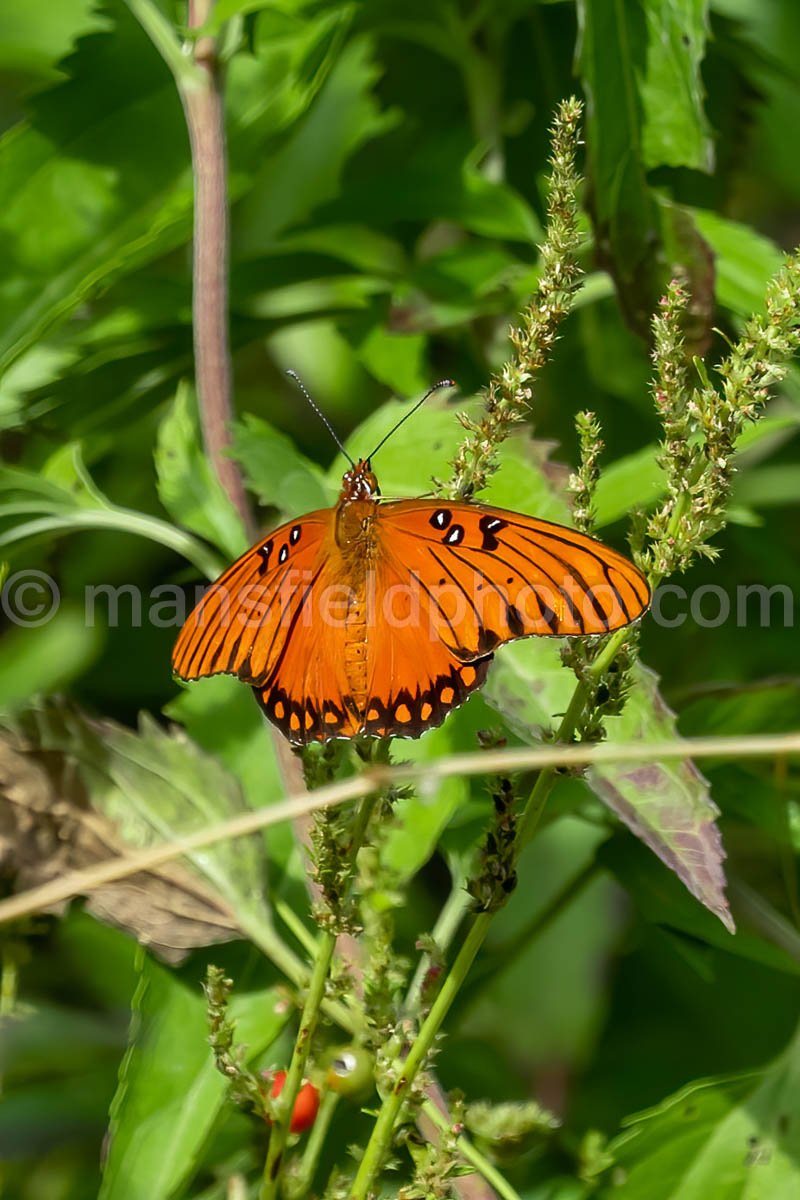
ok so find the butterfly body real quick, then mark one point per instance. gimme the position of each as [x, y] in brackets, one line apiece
[379, 618]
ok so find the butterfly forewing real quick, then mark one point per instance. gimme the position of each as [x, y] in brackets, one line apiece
[488, 576]
[243, 621]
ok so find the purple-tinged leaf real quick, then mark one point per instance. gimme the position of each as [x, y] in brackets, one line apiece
[667, 805]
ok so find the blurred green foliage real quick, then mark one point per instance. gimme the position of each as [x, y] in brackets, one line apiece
[387, 170]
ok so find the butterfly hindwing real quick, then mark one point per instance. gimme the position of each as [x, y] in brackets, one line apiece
[413, 677]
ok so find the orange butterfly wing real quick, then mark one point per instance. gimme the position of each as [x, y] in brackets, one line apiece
[390, 634]
[488, 576]
[240, 625]
[413, 678]
[276, 619]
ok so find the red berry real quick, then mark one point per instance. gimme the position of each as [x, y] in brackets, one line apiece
[306, 1105]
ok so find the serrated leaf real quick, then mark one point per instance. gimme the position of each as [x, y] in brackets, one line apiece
[187, 486]
[276, 470]
[86, 196]
[626, 55]
[156, 785]
[170, 1091]
[667, 805]
[35, 36]
[664, 901]
[49, 829]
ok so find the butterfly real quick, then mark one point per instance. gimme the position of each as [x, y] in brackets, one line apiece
[379, 618]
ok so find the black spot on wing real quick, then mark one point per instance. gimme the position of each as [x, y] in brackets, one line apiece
[490, 526]
[264, 553]
[441, 518]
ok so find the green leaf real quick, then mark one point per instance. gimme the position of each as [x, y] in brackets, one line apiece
[423, 815]
[765, 487]
[305, 171]
[64, 499]
[675, 131]
[88, 196]
[611, 50]
[732, 1139]
[627, 58]
[187, 485]
[419, 450]
[156, 786]
[276, 471]
[635, 481]
[36, 35]
[370, 252]
[170, 1092]
[745, 261]
[221, 715]
[52, 650]
[422, 449]
[528, 685]
[82, 194]
[667, 805]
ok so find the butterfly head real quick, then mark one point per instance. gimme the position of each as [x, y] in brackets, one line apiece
[360, 482]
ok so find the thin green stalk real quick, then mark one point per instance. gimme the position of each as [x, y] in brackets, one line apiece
[325, 947]
[294, 1077]
[300, 1184]
[287, 962]
[293, 923]
[9, 979]
[165, 39]
[455, 908]
[502, 956]
[381, 1138]
[471, 1154]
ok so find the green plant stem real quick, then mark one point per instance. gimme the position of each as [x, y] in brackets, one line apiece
[165, 39]
[293, 923]
[300, 1184]
[452, 913]
[9, 979]
[325, 947]
[82, 880]
[501, 957]
[471, 1154]
[381, 1138]
[294, 1077]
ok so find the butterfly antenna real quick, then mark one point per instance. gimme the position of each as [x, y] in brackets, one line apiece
[293, 375]
[443, 383]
